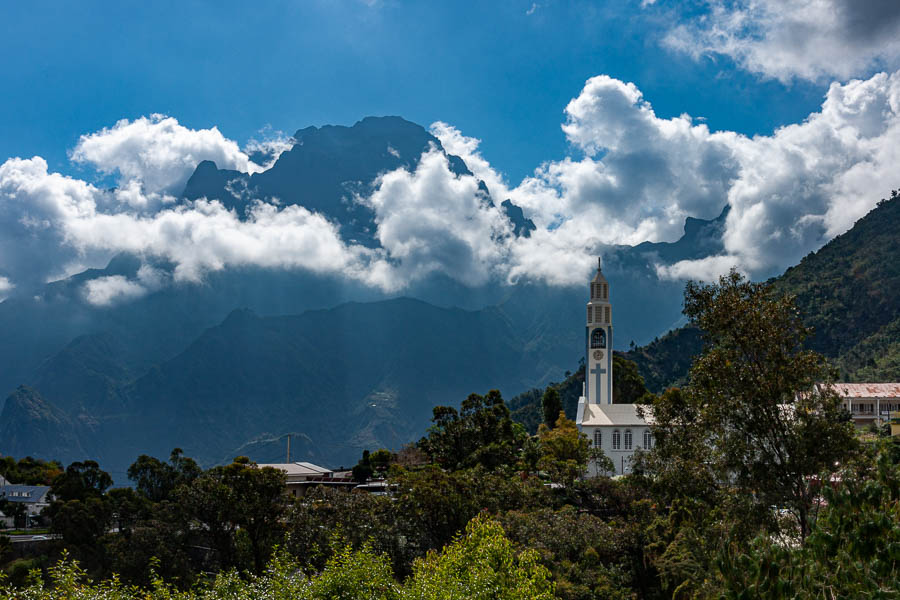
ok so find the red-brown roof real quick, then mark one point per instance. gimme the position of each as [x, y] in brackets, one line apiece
[868, 390]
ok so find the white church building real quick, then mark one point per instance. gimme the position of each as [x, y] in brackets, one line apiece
[616, 429]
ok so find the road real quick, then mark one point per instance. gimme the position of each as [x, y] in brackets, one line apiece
[30, 538]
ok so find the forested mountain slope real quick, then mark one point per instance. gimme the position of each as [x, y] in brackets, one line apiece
[848, 292]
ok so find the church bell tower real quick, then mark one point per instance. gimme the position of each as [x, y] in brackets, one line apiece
[598, 376]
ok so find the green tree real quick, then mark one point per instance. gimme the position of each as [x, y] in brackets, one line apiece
[758, 421]
[156, 480]
[15, 510]
[161, 536]
[382, 459]
[238, 496]
[481, 565]
[551, 404]
[853, 550]
[363, 470]
[587, 556]
[81, 524]
[628, 385]
[81, 480]
[350, 575]
[359, 517]
[29, 471]
[480, 433]
[565, 451]
[80, 512]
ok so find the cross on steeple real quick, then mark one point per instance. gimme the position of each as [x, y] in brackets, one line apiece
[598, 371]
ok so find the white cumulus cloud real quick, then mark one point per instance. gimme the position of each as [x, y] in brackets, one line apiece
[787, 39]
[105, 291]
[158, 154]
[790, 192]
[709, 268]
[112, 289]
[6, 287]
[433, 220]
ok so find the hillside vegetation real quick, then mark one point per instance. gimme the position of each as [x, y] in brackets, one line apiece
[848, 292]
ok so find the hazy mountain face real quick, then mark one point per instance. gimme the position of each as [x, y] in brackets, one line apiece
[324, 171]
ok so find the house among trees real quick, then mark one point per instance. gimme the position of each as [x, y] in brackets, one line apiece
[616, 429]
[300, 476]
[869, 403]
[31, 498]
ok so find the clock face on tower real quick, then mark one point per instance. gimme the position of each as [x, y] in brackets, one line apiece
[598, 354]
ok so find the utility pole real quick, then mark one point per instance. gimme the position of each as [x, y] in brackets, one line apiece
[289, 449]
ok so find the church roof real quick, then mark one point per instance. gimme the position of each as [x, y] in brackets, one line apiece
[597, 415]
[868, 390]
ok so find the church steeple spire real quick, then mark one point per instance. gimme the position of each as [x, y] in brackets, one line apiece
[599, 340]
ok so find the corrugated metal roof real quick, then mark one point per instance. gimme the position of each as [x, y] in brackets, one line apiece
[868, 390]
[313, 467]
[614, 414]
[298, 468]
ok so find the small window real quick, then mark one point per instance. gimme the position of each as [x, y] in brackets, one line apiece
[598, 438]
[648, 440]
[617, 440]
[590, 315]
[598, 338]
[628, 439]
[608, 315]
[605, 291]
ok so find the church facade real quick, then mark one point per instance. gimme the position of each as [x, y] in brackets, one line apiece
[615, 429]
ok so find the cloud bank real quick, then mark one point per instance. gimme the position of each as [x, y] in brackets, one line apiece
[636, 177]
[803, 39]
[156, 155]
[641, 175]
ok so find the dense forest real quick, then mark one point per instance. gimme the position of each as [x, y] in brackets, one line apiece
[739, 498]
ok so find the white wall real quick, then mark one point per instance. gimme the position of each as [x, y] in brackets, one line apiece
[621, 458]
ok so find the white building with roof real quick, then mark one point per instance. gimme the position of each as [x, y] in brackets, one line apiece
[35, 498]
[869, 402]
[616, 429]
[300, 476]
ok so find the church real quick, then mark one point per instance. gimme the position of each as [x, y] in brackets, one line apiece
[616, 429]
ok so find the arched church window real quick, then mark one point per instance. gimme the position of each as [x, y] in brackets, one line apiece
[628, 439]
[648, 439]
[617, 440]
[598, 438]
[598, 338]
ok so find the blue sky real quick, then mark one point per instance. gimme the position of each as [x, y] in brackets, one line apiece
[607, 123]
[500, 71]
